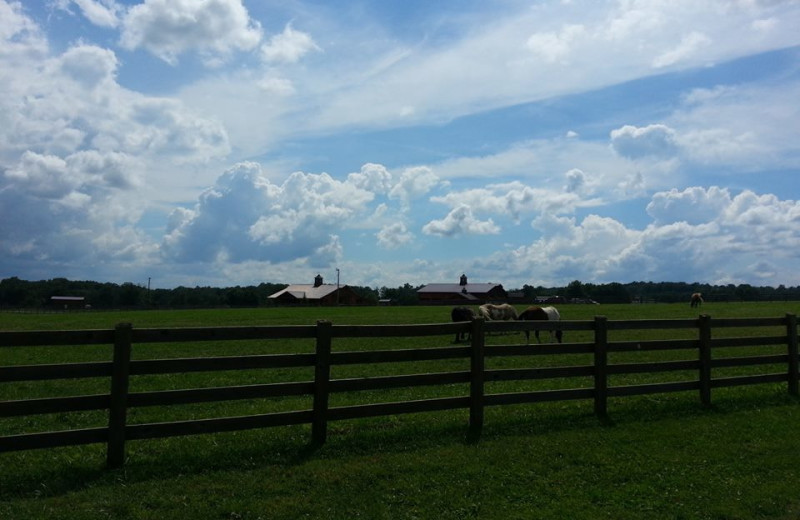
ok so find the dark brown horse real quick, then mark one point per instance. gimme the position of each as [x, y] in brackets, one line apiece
[462, 314]
[541, 314]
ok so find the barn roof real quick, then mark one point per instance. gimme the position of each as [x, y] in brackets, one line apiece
[470, 288]
[307, 291]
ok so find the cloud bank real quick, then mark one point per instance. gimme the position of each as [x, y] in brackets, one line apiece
[510, 141]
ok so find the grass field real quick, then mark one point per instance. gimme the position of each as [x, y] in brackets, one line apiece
[657, 456]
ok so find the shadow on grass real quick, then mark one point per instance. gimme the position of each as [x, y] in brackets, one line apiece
[54, 472]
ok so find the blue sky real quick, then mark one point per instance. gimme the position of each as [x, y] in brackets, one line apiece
[231, 142]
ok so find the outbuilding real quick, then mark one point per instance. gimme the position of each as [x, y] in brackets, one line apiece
[461, 293]
[318, 293]
[68, 302]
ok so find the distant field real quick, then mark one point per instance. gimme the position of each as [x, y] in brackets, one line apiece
[658, 456]
[365, 315]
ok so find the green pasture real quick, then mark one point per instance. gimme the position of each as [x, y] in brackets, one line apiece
[655, 456]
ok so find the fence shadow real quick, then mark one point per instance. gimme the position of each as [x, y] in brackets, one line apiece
[71, 469]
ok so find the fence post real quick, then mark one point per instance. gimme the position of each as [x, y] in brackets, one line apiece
[322, 376]
[118, 408]
[601, 366]
[704, 332]
[476, 379]
[791, 334]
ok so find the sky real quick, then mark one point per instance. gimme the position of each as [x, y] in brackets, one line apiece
[235, 142]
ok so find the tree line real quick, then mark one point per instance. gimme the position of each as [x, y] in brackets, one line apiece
[16, 293]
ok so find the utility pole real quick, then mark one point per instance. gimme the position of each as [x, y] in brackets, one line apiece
[337, 286]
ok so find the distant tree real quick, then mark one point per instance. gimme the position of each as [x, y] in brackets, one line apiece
[405, 295]
[367, 295]
[265, 290]
[574, 290]
[610, 293]
[15, 293]
[131, 295]
[241, 297]
[21, 293]
[160, 298]
[746, 293]
[528, 292]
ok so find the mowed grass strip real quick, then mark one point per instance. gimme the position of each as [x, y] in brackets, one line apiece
[657, 456]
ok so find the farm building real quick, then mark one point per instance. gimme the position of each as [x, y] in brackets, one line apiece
[462, 292]
[318, 293]
[68, 302]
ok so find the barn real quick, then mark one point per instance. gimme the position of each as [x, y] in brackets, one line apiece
[461, 293]
[318, 293]
[68, 302]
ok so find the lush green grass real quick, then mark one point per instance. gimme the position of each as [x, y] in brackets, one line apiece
[658, 456]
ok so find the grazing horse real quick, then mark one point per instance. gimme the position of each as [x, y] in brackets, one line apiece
[462, 314]
[541, 314]
[696, 300]
[502, 312]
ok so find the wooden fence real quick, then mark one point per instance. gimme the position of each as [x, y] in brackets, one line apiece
[121, 368]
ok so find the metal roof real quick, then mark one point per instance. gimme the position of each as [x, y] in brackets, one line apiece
[307, 291]
[470, 288]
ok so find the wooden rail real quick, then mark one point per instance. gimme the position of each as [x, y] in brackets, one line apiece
[121, 368]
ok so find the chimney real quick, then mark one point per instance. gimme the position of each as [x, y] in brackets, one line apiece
[317, 280]
[463, 280]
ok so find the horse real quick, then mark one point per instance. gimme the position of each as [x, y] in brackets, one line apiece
[696, 300]
[541, 314]
[502, 312]
[462, 314]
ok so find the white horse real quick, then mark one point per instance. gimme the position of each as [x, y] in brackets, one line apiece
[502, 312]
[541, 314]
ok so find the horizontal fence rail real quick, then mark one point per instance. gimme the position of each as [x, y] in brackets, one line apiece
[121, 368]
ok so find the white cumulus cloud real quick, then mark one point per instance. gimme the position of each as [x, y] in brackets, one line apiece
[246, 217]
[414, 183]
[394, 236]
[288, 47]
[372, 177]
[89, 66]
[460, 221]
[697, 233]
[652, 140]
[169, 28]
[513, 200]
[693, 205]
[103, 13]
